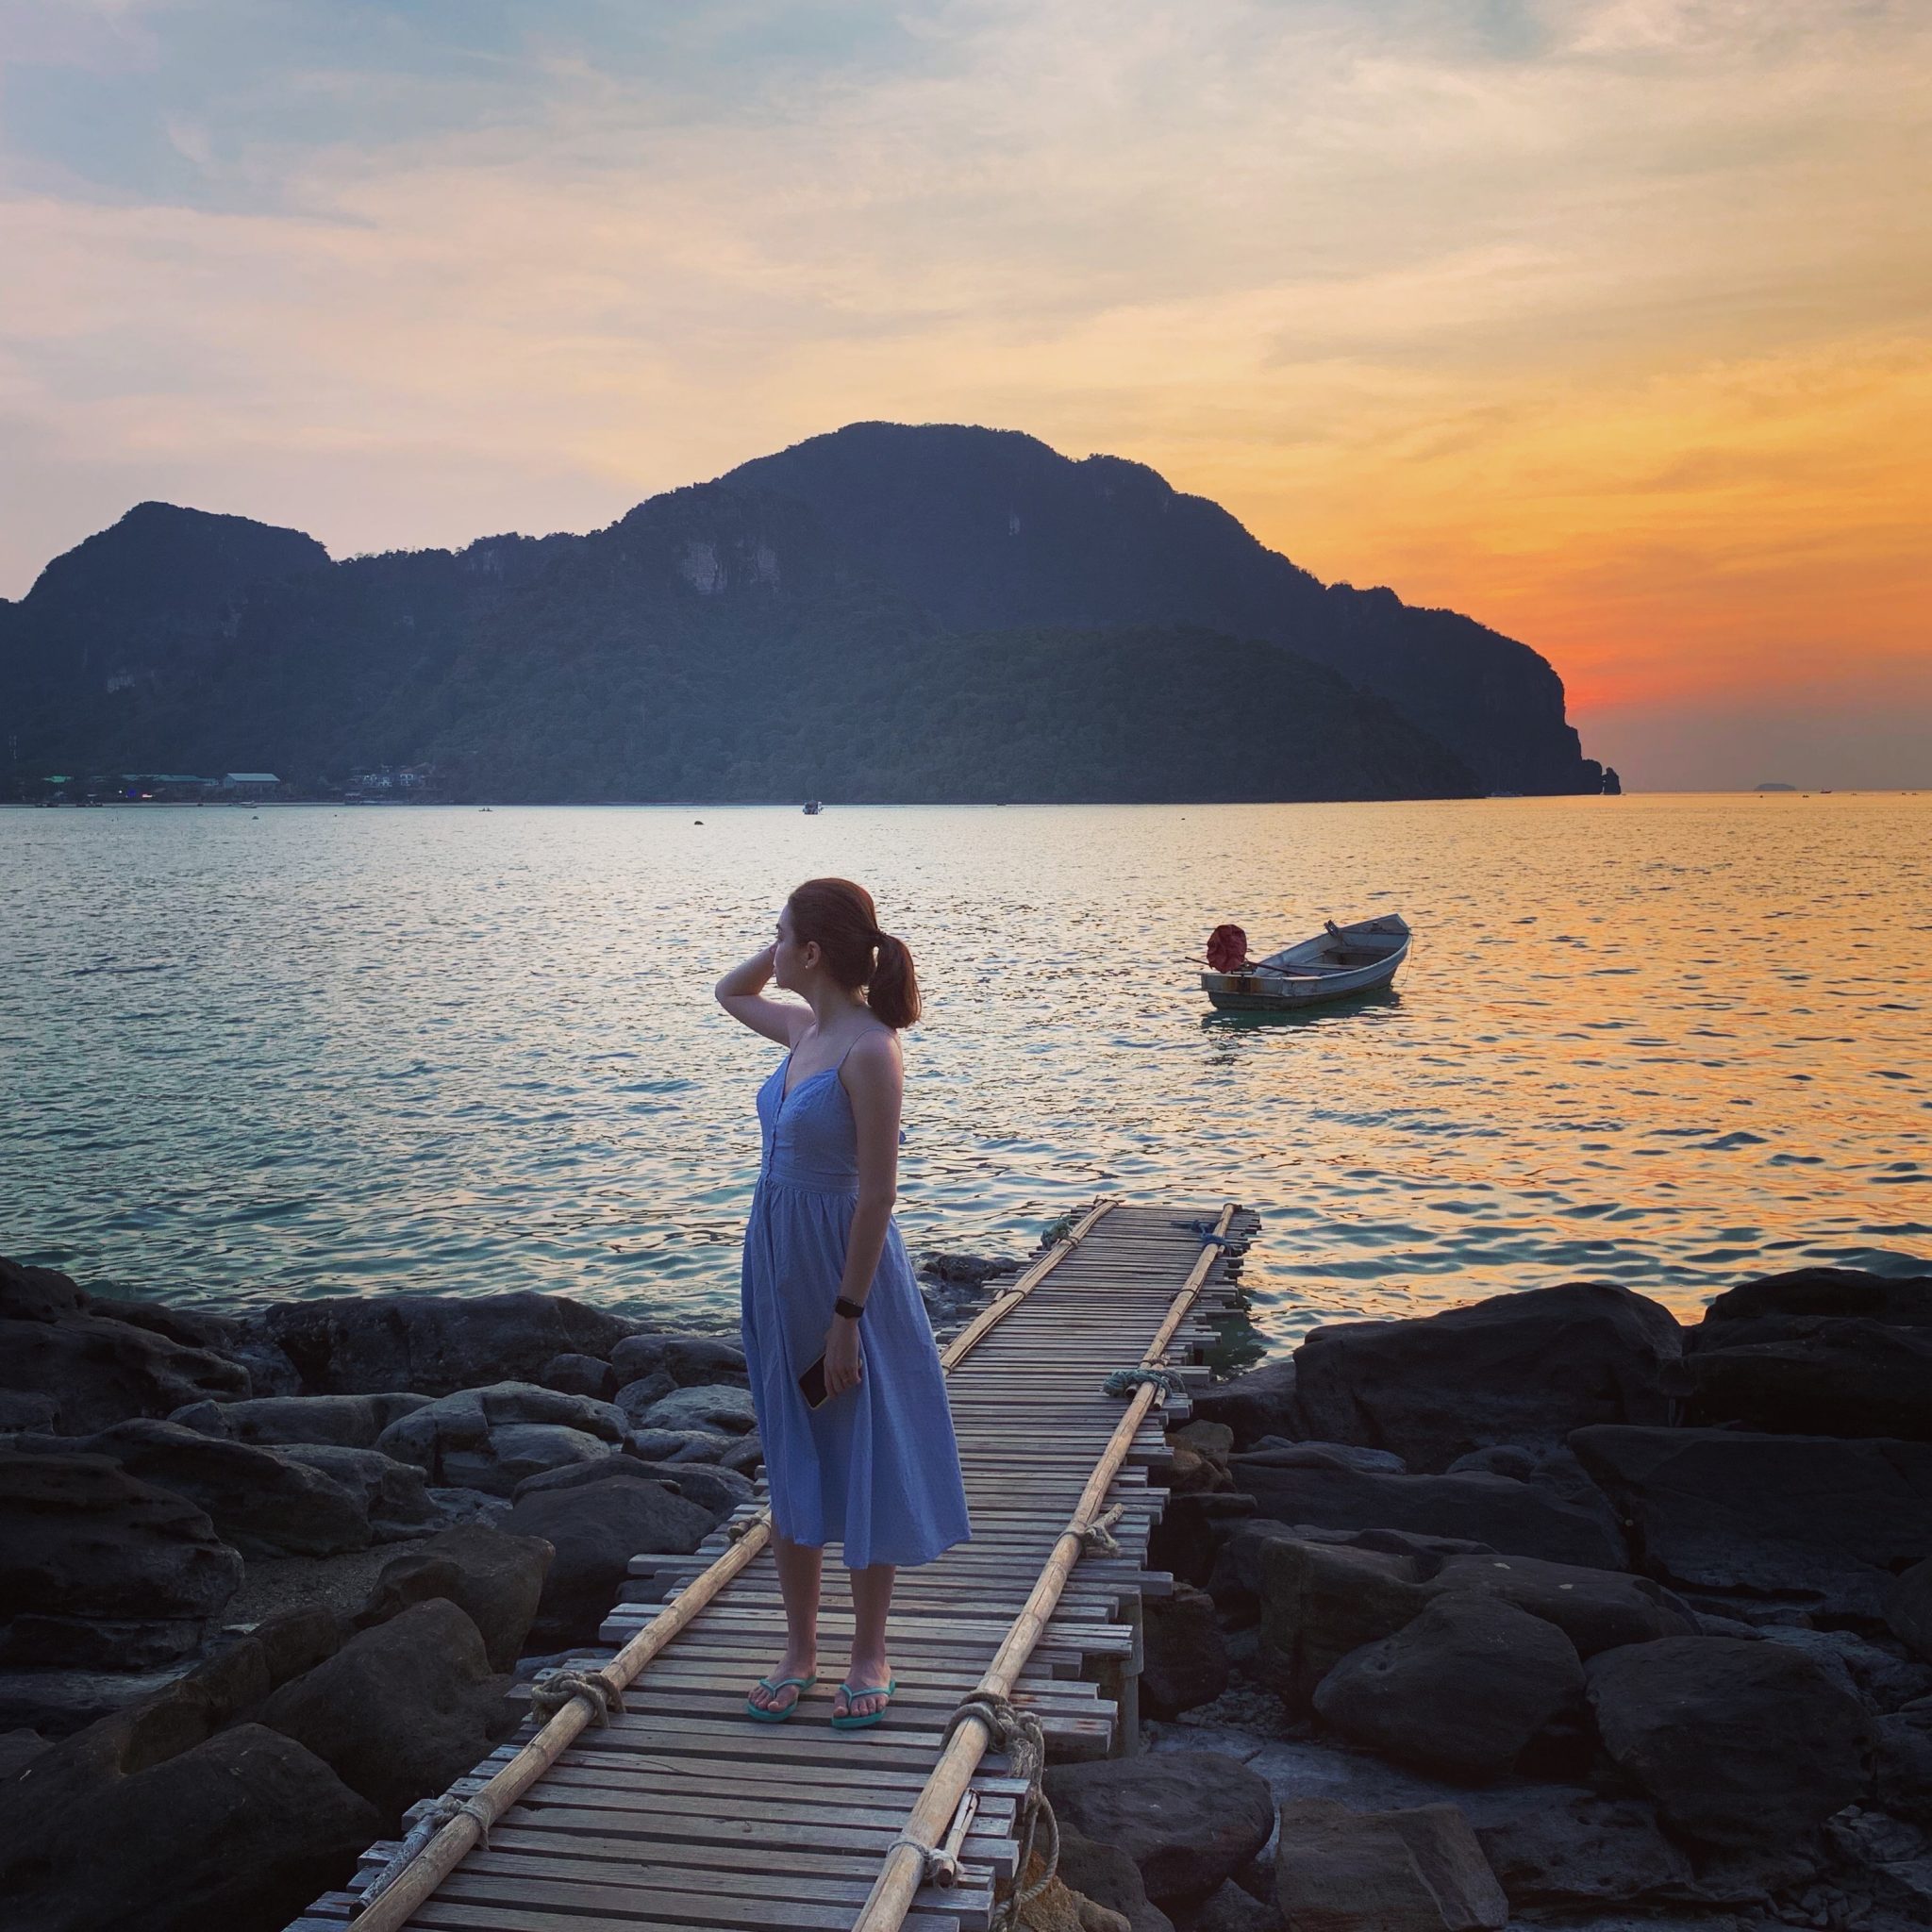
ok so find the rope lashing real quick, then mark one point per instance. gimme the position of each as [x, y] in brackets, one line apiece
[445, 1810]
[1228, 1243]
[1017, 1734]
[736, 1532]
[1097, 1538]
[551, 1689]
[1123, 1382]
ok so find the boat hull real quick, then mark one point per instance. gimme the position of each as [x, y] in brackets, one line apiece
[1287, 990]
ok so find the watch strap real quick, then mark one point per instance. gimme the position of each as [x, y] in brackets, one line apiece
[851, 1311]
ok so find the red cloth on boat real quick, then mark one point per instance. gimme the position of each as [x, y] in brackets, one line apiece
[1227, 949]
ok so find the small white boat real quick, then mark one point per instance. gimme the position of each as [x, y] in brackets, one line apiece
[1341, 960]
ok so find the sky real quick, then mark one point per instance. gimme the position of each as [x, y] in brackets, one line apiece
[1605, 322]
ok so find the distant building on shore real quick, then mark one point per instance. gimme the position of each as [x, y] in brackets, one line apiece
[250, 784]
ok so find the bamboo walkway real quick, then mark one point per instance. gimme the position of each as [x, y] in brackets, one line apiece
[678, 1812]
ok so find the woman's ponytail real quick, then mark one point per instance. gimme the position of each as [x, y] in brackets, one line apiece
[842, 920]
[894, 993]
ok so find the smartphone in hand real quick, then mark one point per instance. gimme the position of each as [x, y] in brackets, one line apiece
[811, 1385]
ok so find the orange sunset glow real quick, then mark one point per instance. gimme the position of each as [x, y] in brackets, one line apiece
[1604, 322]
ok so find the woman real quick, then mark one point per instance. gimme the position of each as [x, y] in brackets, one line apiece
[874, 1466]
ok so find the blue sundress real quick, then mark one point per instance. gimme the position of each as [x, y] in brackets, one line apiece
[876, 1469]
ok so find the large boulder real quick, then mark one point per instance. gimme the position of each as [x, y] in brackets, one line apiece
[716, 1405]
[1260, 1403]
[1109, 1877]
[1409, 1871]
[720, 1490]
[1561, 1848]
[263, 1502]
[689, 1359]
[1184, 1654]
[97, 1568]
[395, 1495]
[401, 1709]
[494, 1578]
[1304, 1485]
[1825, 1375]
[364, 1344]
[491, 1438]
[1761, 1310]
[1741, 1743]
[120, 1826]
[595, 1531]
[1464, 1689]
[1820, 1522]
[1320, 1601]
[1188, 1819]
[97, 1370]
[1902, 1764]
[345, 1421]
[1909, 1608]
[1523, 1368]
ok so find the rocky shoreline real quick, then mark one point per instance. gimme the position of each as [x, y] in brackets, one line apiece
[1547, 1610]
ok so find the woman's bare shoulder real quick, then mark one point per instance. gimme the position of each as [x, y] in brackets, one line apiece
[875, 1054]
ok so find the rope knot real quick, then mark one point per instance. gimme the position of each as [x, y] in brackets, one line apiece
[551, 1689]
[431, 1819]
[1097, 1538]
[1124, 1381]
[1017, 1734]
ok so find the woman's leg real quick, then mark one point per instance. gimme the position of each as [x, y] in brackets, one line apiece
[798, 1584]
[871, 1598]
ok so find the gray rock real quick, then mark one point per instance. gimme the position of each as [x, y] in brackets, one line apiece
[18, 1749]
[719, 1491]
[459, 1509]
[495, 1578]
[1278, 1452]
[1826, 1376]
[401, 1709]
[396, 1499]
[1882, 1680]
[347, 1422]
[1234, 1580]
[1909, 1608]
[1564, 1848]
[1519, 1519]
[717, 1406]
[1189, 1820]
[1506, 1459]
[23, 1411]
[100, 1372]
[1320, 1601]
[744, 1457]
[1597, 1609]
[1110, 1878]
[491, 1439]
[595, 1531]
[637, 1397]
[1260, 1403]
[145, 1829]
[1902, 1764]
[1185, 1656]
[100, 1569]
[1741, 1744]
[1231, 1909]
[1520, 1369]
[1462, 1688]
[580, 1374]
[1758, 1310]
[355, 1344]
[263, 1502]
[1420, 1871]
[689, 1360]
[1822, 1523]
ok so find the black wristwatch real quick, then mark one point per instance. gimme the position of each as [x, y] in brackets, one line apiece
[851, 1311]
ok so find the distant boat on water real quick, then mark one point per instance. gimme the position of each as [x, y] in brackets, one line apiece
[1338, 961]
[813, 807]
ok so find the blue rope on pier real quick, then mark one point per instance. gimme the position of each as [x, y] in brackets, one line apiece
[1233, 1244]
[1124, 1381]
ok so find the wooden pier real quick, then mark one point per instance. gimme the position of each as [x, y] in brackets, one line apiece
[679, 1813]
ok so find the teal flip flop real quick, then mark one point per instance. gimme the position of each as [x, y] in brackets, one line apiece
[853, 1693]
[784, 1711]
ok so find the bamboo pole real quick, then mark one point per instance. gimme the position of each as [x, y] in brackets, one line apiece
[903, 1870]
[393, 1907]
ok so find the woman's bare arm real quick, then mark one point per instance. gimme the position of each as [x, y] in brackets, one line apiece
[740, 994]
[874, 1082]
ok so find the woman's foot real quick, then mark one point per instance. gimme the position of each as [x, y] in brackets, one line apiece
[776, 1700]
[870, 1675]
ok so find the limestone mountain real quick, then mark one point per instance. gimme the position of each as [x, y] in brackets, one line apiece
[757, 639]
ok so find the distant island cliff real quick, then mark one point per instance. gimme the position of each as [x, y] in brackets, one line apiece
[885, 614]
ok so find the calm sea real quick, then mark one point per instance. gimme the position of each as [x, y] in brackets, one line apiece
[1669, 1042]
